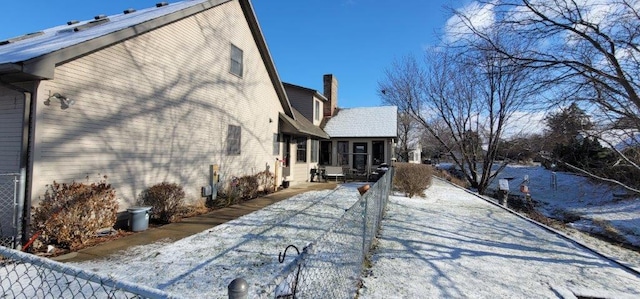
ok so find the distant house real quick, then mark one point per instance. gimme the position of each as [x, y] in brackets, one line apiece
[360, 139]
[415, 155]
[143, 97]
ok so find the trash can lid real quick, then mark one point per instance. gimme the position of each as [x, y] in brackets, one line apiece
[138, 209]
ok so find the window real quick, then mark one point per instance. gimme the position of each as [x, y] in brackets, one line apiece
[377, 152]
[236, 61]
[233, 140]
[316, 111]
[343, 153]
[276, 145]
[314, 151]
[301, 152]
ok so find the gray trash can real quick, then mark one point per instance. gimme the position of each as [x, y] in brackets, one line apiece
[138, 218]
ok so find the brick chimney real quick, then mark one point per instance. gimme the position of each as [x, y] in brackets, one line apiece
[331, 93]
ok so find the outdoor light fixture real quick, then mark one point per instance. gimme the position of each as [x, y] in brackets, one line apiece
[64, 101]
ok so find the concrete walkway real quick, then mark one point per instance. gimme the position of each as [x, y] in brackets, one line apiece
[190, 226]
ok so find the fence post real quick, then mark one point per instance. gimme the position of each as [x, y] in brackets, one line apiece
[238, 289]
[364, 227]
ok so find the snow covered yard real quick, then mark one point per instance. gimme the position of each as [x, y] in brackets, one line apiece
[453, 244]
[592, 204]
[203, 265]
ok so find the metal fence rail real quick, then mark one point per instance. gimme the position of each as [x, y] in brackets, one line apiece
[9, 233]
[27, 276]
[331, 266]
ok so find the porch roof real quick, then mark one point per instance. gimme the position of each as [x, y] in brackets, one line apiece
[300, 126]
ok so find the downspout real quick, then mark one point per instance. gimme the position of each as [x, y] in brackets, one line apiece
[24, 198]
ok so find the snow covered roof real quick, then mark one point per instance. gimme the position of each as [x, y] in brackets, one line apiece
[73, 32]
[379, 121]
[34, 56]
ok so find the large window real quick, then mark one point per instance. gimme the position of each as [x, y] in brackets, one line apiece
[314, 151]
[233, 140]
[236, 61]
[343, 153]
[377, 152]
[301, 152]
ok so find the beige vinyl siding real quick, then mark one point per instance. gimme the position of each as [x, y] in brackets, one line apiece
[11, 114]
[156, 108]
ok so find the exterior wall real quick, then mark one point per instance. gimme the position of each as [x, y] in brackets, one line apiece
[11, 115]
[304, 101]
[157, 108]
[301, 100]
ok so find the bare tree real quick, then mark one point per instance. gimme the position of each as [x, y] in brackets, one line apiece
[406, 131]
[473, 93]
[589, 50]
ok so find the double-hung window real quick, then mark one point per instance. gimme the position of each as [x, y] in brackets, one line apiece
[301, 152]
[233, 140]
[236, 61]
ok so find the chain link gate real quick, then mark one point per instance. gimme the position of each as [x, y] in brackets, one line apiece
[9, 214]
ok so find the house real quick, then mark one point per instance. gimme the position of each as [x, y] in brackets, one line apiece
[142, 97]
[415, 155]
[360, 139]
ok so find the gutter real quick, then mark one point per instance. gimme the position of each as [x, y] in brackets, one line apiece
[24, 196]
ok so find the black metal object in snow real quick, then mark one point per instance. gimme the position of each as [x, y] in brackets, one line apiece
[281, 257]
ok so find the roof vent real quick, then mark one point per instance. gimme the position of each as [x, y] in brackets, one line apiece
[100, 17]
[91, 24]
[128, 11]
[72, 22]
[161, 4]
[19, 38]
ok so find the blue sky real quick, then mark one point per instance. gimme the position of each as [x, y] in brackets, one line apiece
[353, 39]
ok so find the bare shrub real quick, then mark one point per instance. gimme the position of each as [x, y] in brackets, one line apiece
[412, 179]
[248, 187]
[166, 200]
[71, 214]
[266, 181]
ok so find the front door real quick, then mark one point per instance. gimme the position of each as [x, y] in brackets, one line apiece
[325, 153]
[360, 156]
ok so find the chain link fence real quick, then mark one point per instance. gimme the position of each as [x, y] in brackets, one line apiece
[28, 276]
[331, 266]
[9, 233]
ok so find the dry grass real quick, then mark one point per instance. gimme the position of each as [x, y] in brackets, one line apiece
[452, 179]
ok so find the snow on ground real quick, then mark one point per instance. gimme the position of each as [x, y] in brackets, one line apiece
[579, 196]
[449, 244]
[203, 265]
[452, 244]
